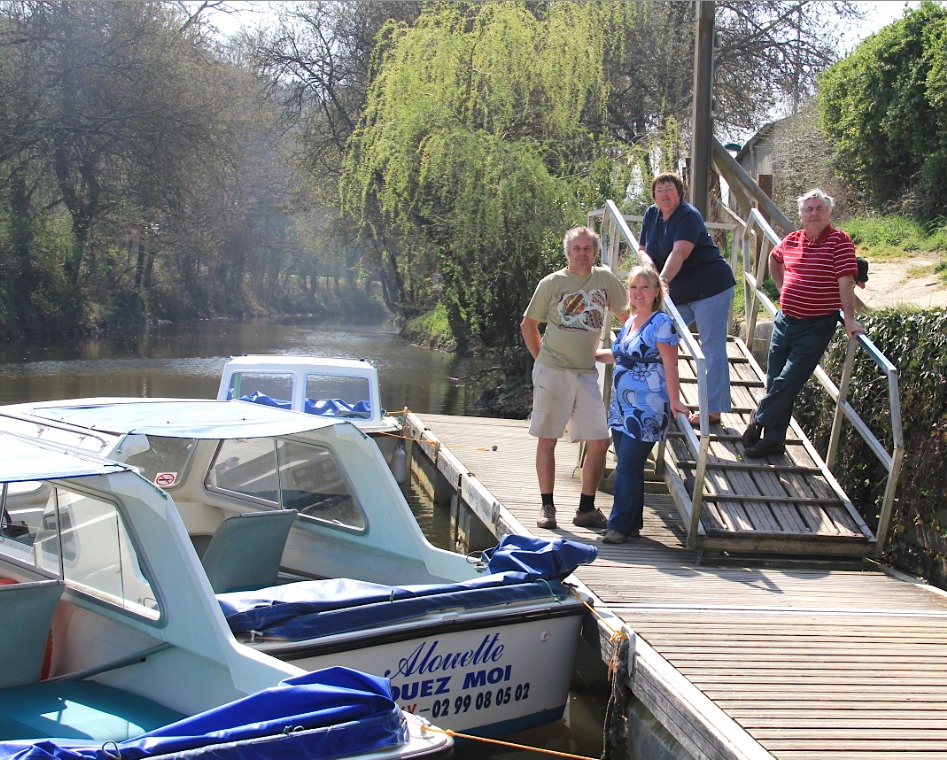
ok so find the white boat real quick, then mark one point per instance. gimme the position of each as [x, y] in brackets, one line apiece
[484, 647]
[325, 386]
[115, 646]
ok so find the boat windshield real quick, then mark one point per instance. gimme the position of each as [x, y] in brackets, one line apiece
[81, 538]
[277, 386]
[161, 460]
[338, 396]
[286, 474]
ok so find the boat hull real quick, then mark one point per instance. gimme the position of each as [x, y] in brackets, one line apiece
[489, 675]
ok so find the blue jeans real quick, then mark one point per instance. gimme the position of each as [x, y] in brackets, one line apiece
[628, 507]
[795, 349]
[712, 316]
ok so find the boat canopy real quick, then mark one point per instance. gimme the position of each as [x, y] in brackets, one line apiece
[178, 418]
[528, 569]
[23, 460]
[336, 712]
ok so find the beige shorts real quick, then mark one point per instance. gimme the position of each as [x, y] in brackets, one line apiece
[564, 397]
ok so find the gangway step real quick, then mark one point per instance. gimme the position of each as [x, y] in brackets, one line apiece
[784, 504]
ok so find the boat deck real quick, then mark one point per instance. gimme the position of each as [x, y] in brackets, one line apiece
[771, 659]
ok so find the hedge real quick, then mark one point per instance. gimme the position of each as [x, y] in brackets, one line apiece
[916, 343]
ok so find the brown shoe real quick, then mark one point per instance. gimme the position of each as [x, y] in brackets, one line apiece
[547, 518]
[593, 519]
[713, 418]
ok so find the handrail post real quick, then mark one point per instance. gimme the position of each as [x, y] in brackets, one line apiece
[839, 404]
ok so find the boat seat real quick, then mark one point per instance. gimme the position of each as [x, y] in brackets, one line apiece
[78, 710]
[26, 616]
[245, 550]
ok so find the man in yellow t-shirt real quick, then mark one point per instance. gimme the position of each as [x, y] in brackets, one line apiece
[574, 304]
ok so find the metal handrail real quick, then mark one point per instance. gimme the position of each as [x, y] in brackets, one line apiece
[756, 224]
[614, 229]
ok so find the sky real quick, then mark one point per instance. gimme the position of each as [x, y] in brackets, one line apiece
[879, 15]
[250, 14]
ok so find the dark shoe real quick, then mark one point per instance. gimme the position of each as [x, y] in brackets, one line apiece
[593, 519]
[752, 434]
[713, 418]
[613, 537]
[764, 448]
[547, 518]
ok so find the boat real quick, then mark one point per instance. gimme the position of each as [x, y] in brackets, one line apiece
[296, 513]
[115, 645]
[325, 386]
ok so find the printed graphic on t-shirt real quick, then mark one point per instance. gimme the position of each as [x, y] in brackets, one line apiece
[582, 310]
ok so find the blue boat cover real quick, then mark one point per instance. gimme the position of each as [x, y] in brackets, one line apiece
[334, 712]
[520, 568]
[332, 407]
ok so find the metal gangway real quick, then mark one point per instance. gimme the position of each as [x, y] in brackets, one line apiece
[791, 504]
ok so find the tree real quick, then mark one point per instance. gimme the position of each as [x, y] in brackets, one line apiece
[317, 61]
[124, 120]
[885, 110]
[474, 147]
[768, 54]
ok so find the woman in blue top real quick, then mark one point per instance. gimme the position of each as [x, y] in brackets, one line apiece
[645, 393]
[675, 243]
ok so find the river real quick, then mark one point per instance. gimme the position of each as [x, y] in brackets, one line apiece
[186, 359]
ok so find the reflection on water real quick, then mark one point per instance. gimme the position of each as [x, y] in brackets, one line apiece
[186, 359]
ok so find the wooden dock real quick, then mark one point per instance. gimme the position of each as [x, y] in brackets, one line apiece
[834, 659]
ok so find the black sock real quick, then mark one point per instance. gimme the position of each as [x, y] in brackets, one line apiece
[586, 502]
[547, 499]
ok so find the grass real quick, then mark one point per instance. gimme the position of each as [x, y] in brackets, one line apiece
[889, 238]
[429, 329]
[893, 237]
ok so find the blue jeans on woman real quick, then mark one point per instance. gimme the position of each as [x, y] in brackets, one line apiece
[628, 508]
[712, 316]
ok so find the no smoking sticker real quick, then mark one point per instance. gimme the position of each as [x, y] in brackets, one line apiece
[165, 479]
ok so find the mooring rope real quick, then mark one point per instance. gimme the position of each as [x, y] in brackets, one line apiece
[501, 743]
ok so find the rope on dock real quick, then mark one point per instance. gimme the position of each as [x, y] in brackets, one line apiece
[435, 443]
[615, 725]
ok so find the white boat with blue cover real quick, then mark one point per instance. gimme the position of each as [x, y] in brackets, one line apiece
[115, 645]
[325, 386]
[316, 556]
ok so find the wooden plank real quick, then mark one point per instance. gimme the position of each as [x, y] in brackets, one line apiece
[800, 662]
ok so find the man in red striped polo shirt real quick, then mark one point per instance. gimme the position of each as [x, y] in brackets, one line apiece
[814, 269]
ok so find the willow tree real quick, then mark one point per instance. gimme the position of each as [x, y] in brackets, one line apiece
[475, 151]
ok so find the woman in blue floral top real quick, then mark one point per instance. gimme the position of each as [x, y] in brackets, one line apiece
[645, 393]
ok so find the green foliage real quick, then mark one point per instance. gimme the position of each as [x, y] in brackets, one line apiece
[885, 109]
[895, 230]
[916, 344]
[431, 329]
[473, 143]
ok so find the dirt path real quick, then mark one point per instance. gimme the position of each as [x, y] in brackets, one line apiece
[907, 281]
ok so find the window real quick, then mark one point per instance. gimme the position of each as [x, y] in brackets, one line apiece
[84, 539]
[270, 388]
[161, 460]
[286, 474]
[338, 396]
